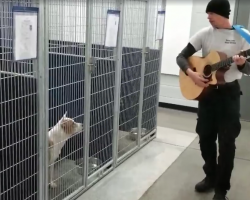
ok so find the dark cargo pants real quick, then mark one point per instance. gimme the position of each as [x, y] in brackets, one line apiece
[219, 116]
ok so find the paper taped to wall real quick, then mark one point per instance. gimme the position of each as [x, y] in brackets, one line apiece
[160, 25]
[113, 17]
[25, 25]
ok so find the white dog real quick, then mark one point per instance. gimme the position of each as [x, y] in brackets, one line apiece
[57, 136]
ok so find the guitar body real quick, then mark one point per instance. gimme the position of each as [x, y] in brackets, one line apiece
[189, 89]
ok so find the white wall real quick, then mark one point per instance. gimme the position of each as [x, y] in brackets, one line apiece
[170, 92]
[193, 18]
[177, 31]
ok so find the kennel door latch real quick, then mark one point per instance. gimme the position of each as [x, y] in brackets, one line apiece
[92, 64]
[146, 50]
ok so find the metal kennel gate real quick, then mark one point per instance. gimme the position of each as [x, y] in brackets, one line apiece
[112, 91]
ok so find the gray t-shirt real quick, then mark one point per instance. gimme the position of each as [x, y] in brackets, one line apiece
[227, 41]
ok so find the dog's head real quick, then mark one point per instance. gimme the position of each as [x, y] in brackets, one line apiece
[69, 126]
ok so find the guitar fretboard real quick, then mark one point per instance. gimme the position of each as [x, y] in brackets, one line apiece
[221, 64]
[228, 61]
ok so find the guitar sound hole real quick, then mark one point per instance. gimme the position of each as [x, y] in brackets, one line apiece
[207, 72]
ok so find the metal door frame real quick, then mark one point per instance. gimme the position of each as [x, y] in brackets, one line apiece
[235, 18]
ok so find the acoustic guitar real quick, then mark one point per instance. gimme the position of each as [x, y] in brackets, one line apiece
[212, 67]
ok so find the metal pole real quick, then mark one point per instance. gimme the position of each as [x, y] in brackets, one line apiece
[160, 63]
[236, 9]
[42, 98]
[87, 88]
[248, 22]
[144, 52]
[118, 69]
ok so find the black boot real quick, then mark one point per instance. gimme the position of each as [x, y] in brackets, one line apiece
[205, 185]
[218, 196]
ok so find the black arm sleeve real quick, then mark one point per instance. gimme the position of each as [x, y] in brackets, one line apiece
[181, 59]
[245, 69]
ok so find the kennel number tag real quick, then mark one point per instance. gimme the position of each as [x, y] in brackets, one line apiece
[25, 30]
[113, 18]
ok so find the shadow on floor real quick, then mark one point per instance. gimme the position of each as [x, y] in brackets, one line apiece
[175, 119]
[186, 121]
[178, 181]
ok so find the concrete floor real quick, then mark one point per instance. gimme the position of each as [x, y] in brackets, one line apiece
[169, 167]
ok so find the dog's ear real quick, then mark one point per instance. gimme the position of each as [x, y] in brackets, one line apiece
[65, 115]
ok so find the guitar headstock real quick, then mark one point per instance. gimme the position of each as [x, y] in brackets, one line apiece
[245, 53]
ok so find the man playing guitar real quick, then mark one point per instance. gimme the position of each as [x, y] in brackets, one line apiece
[219, 111]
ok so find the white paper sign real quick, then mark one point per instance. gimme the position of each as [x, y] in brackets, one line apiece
[25, 26]
[160, 25]
[113, 17]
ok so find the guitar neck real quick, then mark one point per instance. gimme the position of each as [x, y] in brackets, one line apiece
[223, 63]
[229, 60]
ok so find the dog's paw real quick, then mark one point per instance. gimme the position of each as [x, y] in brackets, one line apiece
[53, 184]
